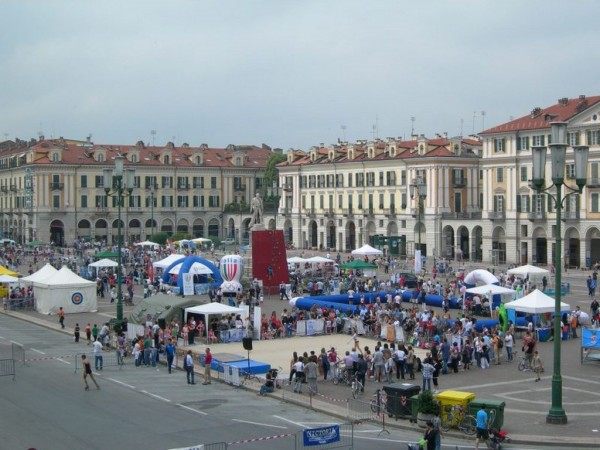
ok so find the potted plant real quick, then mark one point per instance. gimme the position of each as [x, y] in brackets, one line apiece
[427, 408]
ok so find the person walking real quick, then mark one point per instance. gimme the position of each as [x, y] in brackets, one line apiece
[88, 334]
[95, 332]
[427, 372]
[311, 372]
[538, 366]
[207, 368]
[61, 317]
[77, 332]
[188, 365]
[481, 426]
[170, 351]
[98, 358]
[87, 371]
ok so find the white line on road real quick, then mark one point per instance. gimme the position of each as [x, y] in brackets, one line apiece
[2, 337]
[158, 397]
[63, 361]
[38, 351]
[122, 384]
[260, 424]
[192, 409]
[290, 421]
[16, 343]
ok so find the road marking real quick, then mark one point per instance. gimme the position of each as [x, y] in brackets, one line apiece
[2, 337]
[38, 351]
[16, 343]
[158, 397]
[192, 409]
[63, 361]
[260, 424]
[290, 421]
[122, 384]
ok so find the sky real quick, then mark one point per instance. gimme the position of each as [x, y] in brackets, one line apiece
[286, 73]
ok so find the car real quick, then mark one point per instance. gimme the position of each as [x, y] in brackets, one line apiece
[228, 241]
[411, 279]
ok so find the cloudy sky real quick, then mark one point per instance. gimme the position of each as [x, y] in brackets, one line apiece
[287, 73]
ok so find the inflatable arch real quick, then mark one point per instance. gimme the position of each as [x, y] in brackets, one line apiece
[185, 267]
[480, 276]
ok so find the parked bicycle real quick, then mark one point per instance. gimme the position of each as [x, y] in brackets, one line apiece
[357, 387]
[379, 402]
[523, 365]
[457, 417]
[344, 375]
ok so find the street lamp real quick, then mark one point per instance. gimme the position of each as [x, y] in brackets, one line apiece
[119, 184]
[152, 188]
[418, 187]
[558, 152]
[238, 196]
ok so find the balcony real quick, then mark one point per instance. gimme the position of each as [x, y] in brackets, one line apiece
[593, 182]
[310, 212]
[151, 186]
[570, 216]
[102, 210]
[287, 187]
[368, 212]
[461, 215]
[239, 188]
[183, 187]
[3, 189]
[459, 183]
[497, 215]
[347, 212]
[413, 212]
[329, 212]
[536, 216]
[55, 186]
[13, 187]
[286, 211]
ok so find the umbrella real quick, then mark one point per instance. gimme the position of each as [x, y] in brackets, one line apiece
[8, 279]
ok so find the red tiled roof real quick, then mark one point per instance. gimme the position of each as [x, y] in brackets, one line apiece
[540, 118]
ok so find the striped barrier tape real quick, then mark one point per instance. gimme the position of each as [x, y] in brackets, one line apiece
[264, 438]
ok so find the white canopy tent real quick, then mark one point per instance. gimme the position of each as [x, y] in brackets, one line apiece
[104, 263]
[202, 240]
[527, 269]
[296, 260]
[211, 309]
[196, 269]
[45, 272]
[166, 262]
[535, 303]
[147, 244]
[318, 259]
[66, 289]
[367, 250]
[8, 279]
[490, 289]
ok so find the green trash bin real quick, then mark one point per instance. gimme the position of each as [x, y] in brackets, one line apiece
[490, 405]
[398, 399]
[414, 408]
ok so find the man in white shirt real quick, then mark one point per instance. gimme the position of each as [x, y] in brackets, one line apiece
[98, 358]
[400, 360]
[188, 364]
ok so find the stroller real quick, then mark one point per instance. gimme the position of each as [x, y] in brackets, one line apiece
[496, 438]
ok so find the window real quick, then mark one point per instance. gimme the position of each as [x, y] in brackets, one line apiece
[214, 201]
[538, 140]
[391, 178]
[134, 158]
[84, 201]
[498, 203]
[523, 203]
[458, 177]
[182, 183]
[360, 201]
[392, 201]
[198, 160]
[360, 179]
[304, 202]
[321, 201]
[198, 201]
[570, 168]
[594, 203]
[150, 182]
[524, 174]
[166, 201]
[522, 143]
[593, 137]
[573, 138]
[166, 159]
[167, 182]
[499, 145]
[349, 180]
[480, 200]
[403, 200]
[183, 201]
[101, 201]
[594, 172]
[56, 201]
[100, 157]
[480, 175]
[238, 184]
[213, 182]
[135, 201]
[99, 181]
[151, 201]
[381, 204]
[370, 179]
[340, 201]
[198, 183]
[403, 178]
[339, 180]
[457, 202]
[500, 175]
[83, 181]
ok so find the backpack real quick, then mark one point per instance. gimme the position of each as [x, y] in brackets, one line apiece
[500, 343]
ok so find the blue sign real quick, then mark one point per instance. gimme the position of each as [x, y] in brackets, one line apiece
[590, 338]
[321, 436]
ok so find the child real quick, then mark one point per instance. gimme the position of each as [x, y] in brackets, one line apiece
[538, 367]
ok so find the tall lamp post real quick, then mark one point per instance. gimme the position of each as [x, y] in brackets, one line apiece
[558, 152]
[152, 189]
[118, 183]
[419, 188]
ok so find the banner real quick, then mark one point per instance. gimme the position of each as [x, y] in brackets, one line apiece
[188, 284]
[321, 436]
[590, 338]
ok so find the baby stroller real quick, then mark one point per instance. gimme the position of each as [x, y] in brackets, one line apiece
[496, 438]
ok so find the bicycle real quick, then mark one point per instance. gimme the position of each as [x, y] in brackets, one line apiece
[343, 376]
[523, 365]
[357, 387]
[379, 403]
[457, 417]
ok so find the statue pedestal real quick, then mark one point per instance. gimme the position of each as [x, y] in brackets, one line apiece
[255, 227]
[268, 249]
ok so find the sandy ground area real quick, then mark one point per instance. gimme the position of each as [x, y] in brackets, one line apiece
[278, 352]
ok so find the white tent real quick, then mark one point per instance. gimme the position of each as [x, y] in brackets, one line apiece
[8, 279]
[43, 273]
[490, 288]
[196, 269]
[296, 260]
[201, 240]
[147, 244]
[318, 259]
[211, 309]
[164, 263]
[104, 263]
[527, 269]
[66, 289]
[367, 250]
[536, 303]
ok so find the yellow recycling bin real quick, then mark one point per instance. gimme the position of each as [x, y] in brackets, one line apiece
[450, 399]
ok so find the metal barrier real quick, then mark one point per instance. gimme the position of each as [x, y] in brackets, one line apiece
[20, 304]
[7, 368]
[109, 359]
[18, 353]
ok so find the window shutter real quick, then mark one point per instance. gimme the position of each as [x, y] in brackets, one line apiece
[519, 143]
[527, 142]
[588, 136]
[518, 203]
[495, 203]
[577, 138]
[543, 140]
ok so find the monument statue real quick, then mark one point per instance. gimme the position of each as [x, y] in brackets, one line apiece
[257, 209]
